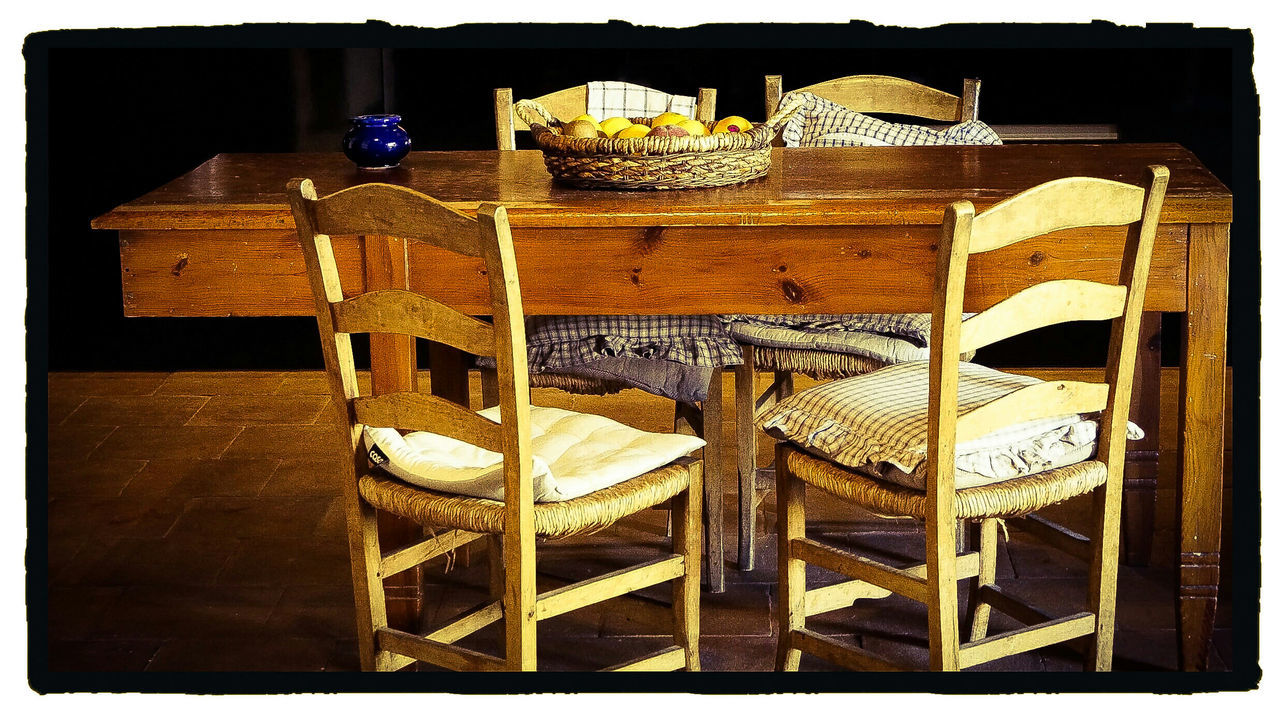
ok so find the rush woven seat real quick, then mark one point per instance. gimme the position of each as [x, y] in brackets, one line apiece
[553, 520]
[1010, 498]
[601, 469]
[812, 363]
[574, 384]
[925, 418]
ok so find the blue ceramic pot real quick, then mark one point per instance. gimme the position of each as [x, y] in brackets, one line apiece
[376, 142]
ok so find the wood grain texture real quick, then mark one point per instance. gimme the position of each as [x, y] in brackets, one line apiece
[407, 313]
[418, 412]
[1200, 436]
[1042, 305]
[882, 93]
[1055, 205]
[743, 269]
[813, 186]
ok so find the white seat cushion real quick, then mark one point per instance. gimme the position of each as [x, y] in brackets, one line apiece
[877, 423]
[573, 454]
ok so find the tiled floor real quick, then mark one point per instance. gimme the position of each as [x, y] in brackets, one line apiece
[193, 515]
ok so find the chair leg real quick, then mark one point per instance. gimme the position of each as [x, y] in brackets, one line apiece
[745, 403]
[497, 577]
[944, 620]
[371, 601]
[791, 583]
[978, 615]
[686, 513]
[520, 596]
[713, 480]
[1102, 573]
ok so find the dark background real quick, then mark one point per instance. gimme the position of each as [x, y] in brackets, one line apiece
[114, 114]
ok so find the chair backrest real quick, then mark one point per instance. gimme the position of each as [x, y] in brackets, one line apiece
[567, 104]
[390, 210]
[1057, 205]
[882, 93]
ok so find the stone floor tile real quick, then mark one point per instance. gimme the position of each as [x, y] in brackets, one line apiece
[129, 562]
[221, 383]
[137, 411]
[277, 562]
[245, 410]
[82, 478]
[166, 443]
[160, 612]
[284, 519]
[113, 655]
[300, 476]
[107, 384]
[321, 610]
[76, 613]
[61, 406]
[202, 478]
[112, 517]
[242, 654]
[284, 441]
[72, 443]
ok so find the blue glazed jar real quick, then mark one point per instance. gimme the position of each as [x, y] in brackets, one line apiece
[376, 142]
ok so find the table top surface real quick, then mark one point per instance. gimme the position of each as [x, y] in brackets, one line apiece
[815, 186]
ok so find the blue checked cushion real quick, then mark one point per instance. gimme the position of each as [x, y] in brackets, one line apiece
[877, 424]
[556, 342]
[820, 122]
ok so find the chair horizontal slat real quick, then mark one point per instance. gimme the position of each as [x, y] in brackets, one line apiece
[1056, 535]
[438, 653]
[608, 586]
[1037, 401]
[662, 660]
[467, 624]
[395, 211]
[425, 550]
[1028, 639]
[1057, 205]
[882, 575]
[841, 653]
[843, 594]
[409, 313]
[1042, 305]
[414, 411]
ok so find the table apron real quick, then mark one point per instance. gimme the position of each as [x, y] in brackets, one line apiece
[638, 270]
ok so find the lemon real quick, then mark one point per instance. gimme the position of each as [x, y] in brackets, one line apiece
[732, 123]
[693, 127]
[633, 131]
[579, 128]
[613, 125]
[589, 119]
[668, 118]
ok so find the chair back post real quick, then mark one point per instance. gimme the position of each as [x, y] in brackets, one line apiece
[704, 110]
[1123, 345]
[326, 288]
[504, 118]
[520, 592]
[944, 384]
[969, 100]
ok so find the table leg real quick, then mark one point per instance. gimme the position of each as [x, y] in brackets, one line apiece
[393, 368]
[1200, 438]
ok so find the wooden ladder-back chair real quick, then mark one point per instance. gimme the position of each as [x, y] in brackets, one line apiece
[1056, 205]
[455, 519]
[861, 93]
[567, 104]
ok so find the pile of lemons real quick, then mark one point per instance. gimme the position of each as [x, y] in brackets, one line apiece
[668, 124]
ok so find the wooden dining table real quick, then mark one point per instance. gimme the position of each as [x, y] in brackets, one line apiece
[829, 230]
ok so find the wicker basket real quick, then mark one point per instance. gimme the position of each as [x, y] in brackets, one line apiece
[653, 163]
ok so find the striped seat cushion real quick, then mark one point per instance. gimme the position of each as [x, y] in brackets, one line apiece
[877, 423]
